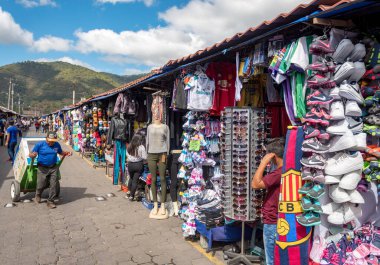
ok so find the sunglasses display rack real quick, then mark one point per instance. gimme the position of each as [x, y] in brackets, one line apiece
[243, 133]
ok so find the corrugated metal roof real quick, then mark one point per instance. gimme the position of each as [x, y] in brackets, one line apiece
[4, 109]
[283, 18]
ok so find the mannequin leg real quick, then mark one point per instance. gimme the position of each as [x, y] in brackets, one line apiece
[152, 165]
[162, 169]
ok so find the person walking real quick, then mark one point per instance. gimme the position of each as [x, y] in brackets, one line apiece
[11, 139]
[2, 131]
[47, 166]
[37, 125]
[136, 154]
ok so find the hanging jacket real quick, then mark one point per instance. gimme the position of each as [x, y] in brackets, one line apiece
[121, 105]
[118, 130]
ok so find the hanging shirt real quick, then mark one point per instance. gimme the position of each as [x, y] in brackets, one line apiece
[201, 91]
[238, 84]
[224, 75]
[179, 100]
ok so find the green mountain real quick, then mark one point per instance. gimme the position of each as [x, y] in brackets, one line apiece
[48, 86]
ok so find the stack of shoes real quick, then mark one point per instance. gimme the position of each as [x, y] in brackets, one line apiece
[209, 210]
[315, 145]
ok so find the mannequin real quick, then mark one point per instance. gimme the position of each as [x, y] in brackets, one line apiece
[158, 145]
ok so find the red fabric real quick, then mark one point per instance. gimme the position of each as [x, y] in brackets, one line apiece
[280, 120]
[272, 183]
[224, 75]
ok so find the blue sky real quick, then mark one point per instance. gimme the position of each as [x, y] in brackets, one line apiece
[123, 36]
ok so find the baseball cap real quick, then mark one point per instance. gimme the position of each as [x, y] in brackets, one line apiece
[52, 137]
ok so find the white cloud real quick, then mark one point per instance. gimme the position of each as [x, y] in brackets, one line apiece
[146, 2]
[67, 59]
[51, 43]
[36, 3]
[11, 32]
[135, 71]
[196, 25]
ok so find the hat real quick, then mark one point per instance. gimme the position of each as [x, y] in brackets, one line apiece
[52, 137]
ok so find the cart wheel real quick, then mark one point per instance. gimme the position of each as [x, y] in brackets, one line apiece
[15, 191]
[58, 191]
[203, 242]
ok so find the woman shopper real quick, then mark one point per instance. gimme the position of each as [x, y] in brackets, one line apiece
[136, 155]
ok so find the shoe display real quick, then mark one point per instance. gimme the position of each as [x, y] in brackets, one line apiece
[372, 119]
[358, 52]
[314, 161]
[310, 131]
[338, 195]
[329, 179]
[351, 180]
[313, 145]
[331, 207]
[361, 142]
[358, 72]
[307, 174]
[321, 45]
[319, 98]
[343, 72]
[353, 109]
[374, 109]
[355, 197]
[351, 91]
[339, 128]
[345, 214]
[355, 124]
[373, 130]
[315, 116]
[334, 93]
[337, 110]
[316, 192]
[309, 219]
[339, 143]
[305, 188]
[318, 66]
[323, 134]
[309, 204]
[319, 176]
[344, 164]
[344, 49]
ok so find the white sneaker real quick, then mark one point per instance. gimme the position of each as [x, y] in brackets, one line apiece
[339, 128]
[339, 143]
[338, 195]
[343, 72]
[350, 180]
[344, 164]
[351, 92]
[329, 179]
[358, 72]
[358, 52]
[337, 110]
[334, 93]
[355, 124]
[330, 207]
[345, 214]
[356, 197]
[361, 142]
[353, 109]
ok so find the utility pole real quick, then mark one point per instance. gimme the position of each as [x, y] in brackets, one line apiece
[73, 96]
[19, 104]
[9, 93]
[13, 91]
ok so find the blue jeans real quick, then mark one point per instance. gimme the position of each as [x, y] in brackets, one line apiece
[269, 234]
[11, 150]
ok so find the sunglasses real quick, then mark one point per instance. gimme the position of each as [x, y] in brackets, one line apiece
[240, 217]
[239, 168]
[240, 207]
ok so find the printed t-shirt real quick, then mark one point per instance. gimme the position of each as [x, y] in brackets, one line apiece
[12, 132]
[224, 75]
[47, 155]
[201, 91]
[272, 183]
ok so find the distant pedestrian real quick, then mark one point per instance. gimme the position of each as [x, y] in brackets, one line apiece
[37, 125]
[2, 131]
[11, 139]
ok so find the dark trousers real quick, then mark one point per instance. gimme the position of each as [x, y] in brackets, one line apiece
[47, 175]
[135, 169]
[174, 168]
[2, 140]
[11, 150]
[159, 160]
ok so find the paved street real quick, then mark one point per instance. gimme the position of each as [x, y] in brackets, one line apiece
[83, 231]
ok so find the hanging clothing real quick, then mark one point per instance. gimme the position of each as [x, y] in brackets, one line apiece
[179, 99]
[121, 105]
[120, 151]
[238, 84]
[158, 139]
[201, 91]
[142, 114]
[224, 75]
[118, 130]
[273, 95]
[157, 107]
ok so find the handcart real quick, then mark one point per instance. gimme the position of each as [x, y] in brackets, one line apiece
[25, 169]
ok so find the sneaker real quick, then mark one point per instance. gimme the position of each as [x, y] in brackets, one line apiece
[51, 205]
[337, 110]
[329, 179]
[339, 128]
[309, 219]
[329, 208]
[343, 72]
[314, 161]
[353, 109]
[316, 192]
[310, 131]
[321, 45]
[37, 199]
[309, 204]
[320, 113]
[313, 145]
[307, 174]
[315, 119]
[318, 66]
[358, 72]
[358, 52]
[373, 130]
[351, 91]
[344, 164]
[355, 124]
[355, 197]
[328, 253]
[345, 214]
[351, 180]
[338, 195]
[319, 176]
[325, 114]
[334, 93]
[374, 109]
[305, 188]
[372, 119]
[331, 65]
[318, 80]
[323, 134]
[343, 50]
[339, 143]
[319, 99]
